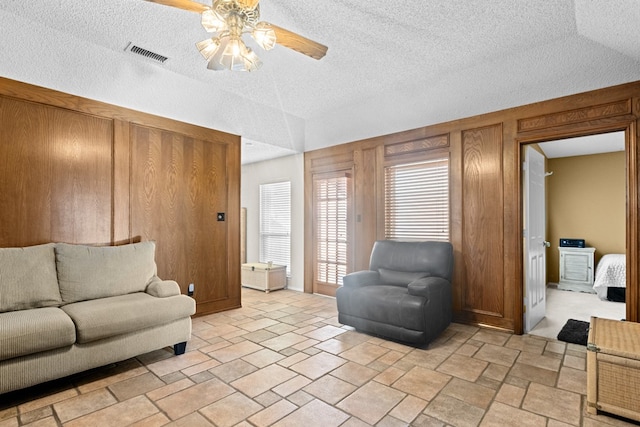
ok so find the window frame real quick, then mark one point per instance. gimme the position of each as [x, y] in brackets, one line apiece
[434, 156]
[263, 255]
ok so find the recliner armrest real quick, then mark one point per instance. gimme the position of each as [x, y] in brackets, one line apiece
[362, 278]
[425, 286]
[162, 288]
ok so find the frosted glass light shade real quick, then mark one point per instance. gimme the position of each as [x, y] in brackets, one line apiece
[214, 61]
[208, 47]
[212, 22]
[234, 55]
[264, 35]
[251, 61]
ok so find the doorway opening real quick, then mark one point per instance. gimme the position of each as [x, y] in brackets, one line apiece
[584, 216]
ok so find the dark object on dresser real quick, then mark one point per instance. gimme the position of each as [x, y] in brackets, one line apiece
[404, 296]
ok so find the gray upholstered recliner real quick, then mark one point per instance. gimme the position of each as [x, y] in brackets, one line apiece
[404, 296]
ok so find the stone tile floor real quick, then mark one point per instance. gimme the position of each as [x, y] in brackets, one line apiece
[284, 360]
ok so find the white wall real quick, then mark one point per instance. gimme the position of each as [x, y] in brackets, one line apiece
[290, 168]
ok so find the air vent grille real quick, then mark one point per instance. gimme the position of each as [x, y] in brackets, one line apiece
[156, 57]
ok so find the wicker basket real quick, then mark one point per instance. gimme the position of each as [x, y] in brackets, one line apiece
[613, 368]
[263, 276]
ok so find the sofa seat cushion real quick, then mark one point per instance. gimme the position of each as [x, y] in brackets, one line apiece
[28, 278]
[90, 272]
[107, 317]
[387, 304]
[31, 331]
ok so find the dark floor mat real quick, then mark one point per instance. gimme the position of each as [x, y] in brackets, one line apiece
[575, 332]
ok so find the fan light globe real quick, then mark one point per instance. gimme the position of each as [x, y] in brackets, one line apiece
[212, 22]
[235, 47]
[208, 47]
[264, 35]
[234, 55]
[251, 61]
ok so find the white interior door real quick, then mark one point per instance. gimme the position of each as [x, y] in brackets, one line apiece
[534, 239]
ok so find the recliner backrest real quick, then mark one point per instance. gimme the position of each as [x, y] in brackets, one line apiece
[433, 258]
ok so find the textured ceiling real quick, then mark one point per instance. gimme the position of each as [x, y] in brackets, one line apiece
[392, 65]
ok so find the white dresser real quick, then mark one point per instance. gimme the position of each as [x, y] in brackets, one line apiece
[576, 269]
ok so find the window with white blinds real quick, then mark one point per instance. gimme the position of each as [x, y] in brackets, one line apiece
[417, 201]
[275, 223]
[332, 201]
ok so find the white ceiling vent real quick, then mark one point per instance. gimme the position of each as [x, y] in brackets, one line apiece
[145, 53]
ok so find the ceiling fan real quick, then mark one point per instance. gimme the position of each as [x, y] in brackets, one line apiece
[229, 20]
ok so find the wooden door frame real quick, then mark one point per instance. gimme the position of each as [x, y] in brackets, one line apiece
[629, 126]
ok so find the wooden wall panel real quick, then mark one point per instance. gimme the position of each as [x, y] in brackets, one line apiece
[482, 196]
[55, 177]
[121, 232]
[178, 185]
[606, 111]
[334, 160]
[81, 194]
[416, 146]
[366, 207]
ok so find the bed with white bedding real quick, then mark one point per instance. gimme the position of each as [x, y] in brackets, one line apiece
[611, 272]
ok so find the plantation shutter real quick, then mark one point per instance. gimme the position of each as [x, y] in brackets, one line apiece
[332, 200]
[275, 223]
[417, 201]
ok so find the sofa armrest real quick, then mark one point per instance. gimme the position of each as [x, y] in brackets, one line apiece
[358, 279]
[427, 286]
[162, 288]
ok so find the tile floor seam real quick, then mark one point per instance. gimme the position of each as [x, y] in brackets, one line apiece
[54, 414]
[520, 405]
[470, 387]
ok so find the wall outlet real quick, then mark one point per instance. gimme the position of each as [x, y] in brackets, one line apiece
[191, 289]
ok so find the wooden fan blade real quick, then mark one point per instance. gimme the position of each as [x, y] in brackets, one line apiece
[189, 5]
[248, 4]
[298, 43]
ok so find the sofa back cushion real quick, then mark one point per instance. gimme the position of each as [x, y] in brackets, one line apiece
[431, 258]
[90, 272]
[28, 278]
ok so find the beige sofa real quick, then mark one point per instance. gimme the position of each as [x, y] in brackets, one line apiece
[68, 308]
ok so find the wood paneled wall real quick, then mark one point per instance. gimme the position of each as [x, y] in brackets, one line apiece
[79, 171]
[483, 204]
[485, 192]
[55, 175]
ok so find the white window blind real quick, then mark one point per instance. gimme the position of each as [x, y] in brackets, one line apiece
[332, 200]
[275, 223]
[417, 201]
